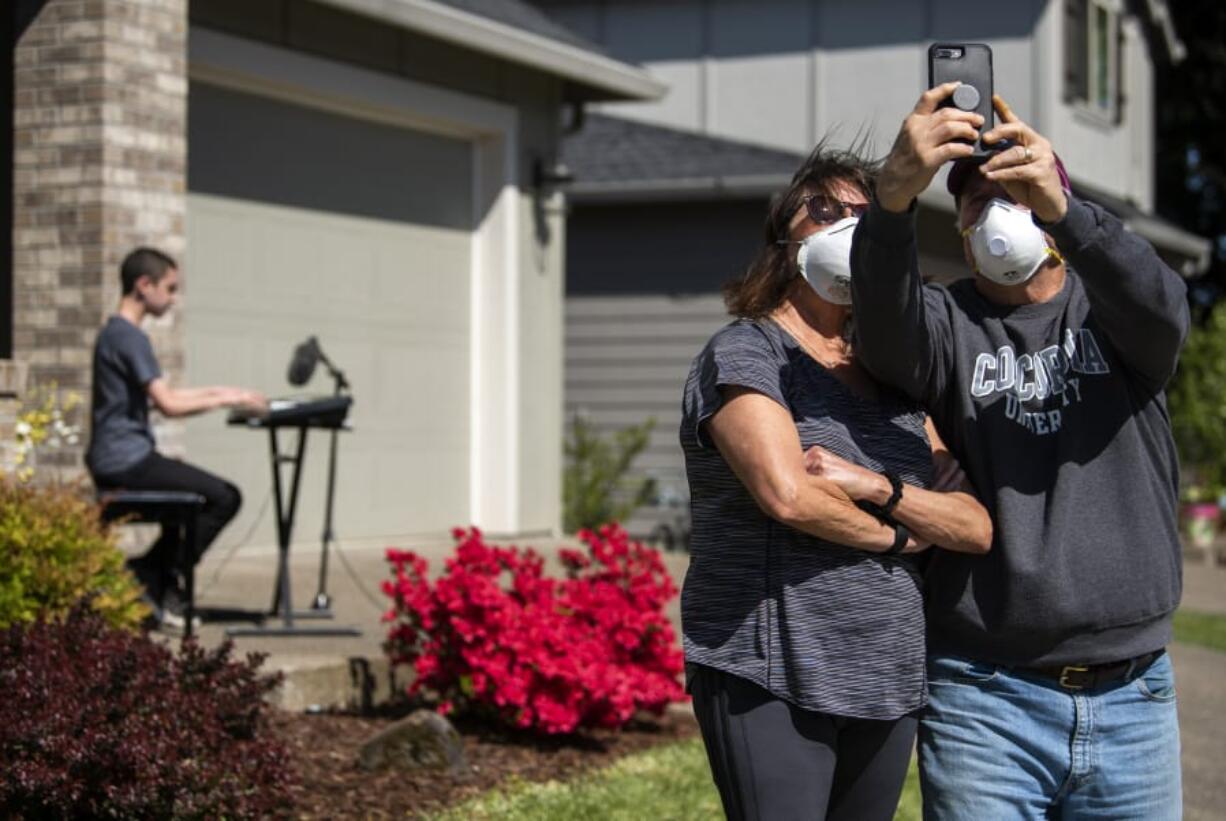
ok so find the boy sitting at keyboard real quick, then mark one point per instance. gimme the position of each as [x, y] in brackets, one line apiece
[122, 452]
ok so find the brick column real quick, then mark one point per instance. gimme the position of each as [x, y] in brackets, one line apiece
[100, 120]
[12, 390]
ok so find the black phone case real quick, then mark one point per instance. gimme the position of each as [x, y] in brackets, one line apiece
[973, 68]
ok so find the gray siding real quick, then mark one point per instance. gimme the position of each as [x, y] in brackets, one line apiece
[626, 360]
[785, 73]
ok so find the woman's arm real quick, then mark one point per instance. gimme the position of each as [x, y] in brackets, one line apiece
[758, 439]
[950, 517]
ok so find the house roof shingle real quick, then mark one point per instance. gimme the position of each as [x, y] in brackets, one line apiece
[612, 155]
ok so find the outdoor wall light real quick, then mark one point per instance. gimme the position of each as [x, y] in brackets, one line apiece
[553, 174]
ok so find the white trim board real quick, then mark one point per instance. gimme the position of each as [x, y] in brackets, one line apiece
[493, 129]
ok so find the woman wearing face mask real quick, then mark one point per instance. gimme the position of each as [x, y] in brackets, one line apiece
[812, 490]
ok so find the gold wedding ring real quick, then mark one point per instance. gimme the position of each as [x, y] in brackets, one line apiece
[1027, 154]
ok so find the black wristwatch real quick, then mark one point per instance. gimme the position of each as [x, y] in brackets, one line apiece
[901, 535]
[895, 495]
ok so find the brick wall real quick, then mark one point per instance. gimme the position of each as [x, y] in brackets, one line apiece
[100, 116]
[12, 390]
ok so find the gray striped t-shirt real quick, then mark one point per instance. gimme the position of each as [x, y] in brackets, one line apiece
[826, 627]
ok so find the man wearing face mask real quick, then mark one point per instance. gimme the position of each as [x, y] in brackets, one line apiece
[1050, 691]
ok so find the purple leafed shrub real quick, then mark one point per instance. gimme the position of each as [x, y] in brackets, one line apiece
[97, 722]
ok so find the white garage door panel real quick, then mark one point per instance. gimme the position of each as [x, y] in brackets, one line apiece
[389, 302]
[409, 404]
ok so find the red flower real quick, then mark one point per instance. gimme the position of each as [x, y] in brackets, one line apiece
[551, 655]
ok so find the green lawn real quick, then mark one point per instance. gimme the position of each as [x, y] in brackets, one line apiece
[1205, 629]
[673, 782]
[668, 782]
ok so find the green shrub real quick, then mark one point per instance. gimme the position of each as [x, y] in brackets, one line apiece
[595, 487]
[1197, 402]
[55, 551]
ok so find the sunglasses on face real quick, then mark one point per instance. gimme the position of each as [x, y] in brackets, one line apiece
[824, 210]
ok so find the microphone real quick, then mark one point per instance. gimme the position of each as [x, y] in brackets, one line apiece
[306, 356]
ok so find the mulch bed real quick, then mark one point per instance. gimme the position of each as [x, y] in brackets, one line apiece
[331, 784]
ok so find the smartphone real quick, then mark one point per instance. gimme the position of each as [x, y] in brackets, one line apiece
[970, 64]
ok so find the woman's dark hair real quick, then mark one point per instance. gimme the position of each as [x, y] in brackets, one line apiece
[144, 262]
[764, 284]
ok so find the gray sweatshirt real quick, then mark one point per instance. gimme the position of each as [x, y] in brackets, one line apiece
[1057, 414]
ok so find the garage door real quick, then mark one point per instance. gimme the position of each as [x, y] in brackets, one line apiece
[302, 222]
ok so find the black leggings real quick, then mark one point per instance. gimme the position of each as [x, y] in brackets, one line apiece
[772, 760]
[156, 472]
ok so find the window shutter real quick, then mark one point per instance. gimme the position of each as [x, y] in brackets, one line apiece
[1076, 51]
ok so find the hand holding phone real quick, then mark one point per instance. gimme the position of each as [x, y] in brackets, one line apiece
[1025, 164]
[969, 64]
[930, 136]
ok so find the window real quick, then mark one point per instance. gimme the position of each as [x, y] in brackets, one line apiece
[1092, 64]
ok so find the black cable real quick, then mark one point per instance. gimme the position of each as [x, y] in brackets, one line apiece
[232, 549]
[379, 606]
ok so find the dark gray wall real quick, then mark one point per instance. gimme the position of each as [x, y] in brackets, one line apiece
[660, 248]
[256, 148]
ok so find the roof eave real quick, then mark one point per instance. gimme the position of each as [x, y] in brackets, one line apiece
[1160, 21]
[1194, 249]
[601, 77]
[739, 186]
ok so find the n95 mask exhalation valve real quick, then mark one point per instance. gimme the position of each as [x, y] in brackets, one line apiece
[1007, 246]
[824, 261]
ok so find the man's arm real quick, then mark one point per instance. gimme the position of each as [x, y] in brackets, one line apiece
[176, 402]
[1138, 301]
[895, 338]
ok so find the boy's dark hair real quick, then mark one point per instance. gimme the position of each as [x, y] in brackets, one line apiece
[762, 287]
[144, 262]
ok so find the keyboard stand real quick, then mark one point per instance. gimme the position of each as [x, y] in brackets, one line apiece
[286, 509]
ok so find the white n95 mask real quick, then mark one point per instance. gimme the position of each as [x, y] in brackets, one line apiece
[824, 261]
[1007, 246]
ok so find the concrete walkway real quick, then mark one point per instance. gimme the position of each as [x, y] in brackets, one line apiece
[325, 670]
[1204, 587]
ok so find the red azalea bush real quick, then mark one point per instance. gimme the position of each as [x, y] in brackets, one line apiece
[495, 634]
[97, 722]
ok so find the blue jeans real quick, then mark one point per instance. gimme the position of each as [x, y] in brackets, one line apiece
[998, 743]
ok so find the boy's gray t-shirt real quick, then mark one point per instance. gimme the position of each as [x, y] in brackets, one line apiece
[124, 365]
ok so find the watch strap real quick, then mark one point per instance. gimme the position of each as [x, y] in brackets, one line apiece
[901, 537]
[895, 493]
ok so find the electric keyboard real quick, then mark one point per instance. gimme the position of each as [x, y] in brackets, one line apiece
[300, 412]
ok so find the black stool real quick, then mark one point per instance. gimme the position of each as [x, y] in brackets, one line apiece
[170, 508]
